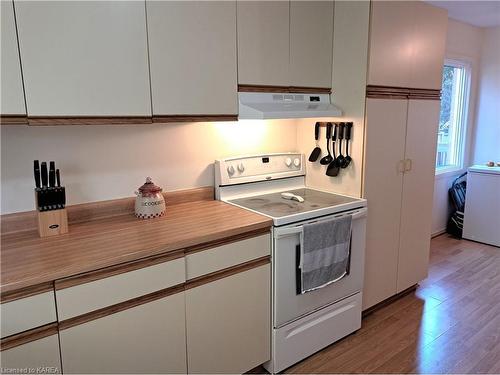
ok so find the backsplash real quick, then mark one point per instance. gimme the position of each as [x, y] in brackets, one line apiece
[108, 162]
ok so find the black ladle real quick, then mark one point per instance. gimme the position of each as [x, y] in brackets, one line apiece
[347, 137]
[328, 158]
[317, 151]
[340, 158]
[333, 169]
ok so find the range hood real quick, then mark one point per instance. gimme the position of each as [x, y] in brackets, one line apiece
[258, 105]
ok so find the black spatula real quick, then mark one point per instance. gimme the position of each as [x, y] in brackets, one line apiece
[317, 151]
[328, 158]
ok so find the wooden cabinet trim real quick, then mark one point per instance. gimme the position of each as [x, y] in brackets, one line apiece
[87, 120]
[26, 292]
[287, 89]
[425, 94]
[116, 270]
[225, 241]
[389, 92]
[160, 119]
[208, 278]
[13, 119]
[113, 309]
[29, 336]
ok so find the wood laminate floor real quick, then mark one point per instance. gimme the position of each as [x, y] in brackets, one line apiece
[450, 324]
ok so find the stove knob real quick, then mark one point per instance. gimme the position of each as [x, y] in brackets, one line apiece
[241, 167]
[296, 162]
[288, 162]
[230, 170]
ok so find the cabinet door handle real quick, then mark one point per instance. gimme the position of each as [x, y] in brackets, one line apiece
[401, 166]
[408, 165]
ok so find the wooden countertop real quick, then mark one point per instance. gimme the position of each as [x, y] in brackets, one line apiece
[28, 260]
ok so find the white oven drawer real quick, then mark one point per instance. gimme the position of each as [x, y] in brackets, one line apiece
[313, 332]
[288, 304]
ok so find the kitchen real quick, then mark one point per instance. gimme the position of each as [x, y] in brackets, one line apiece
[219, 102]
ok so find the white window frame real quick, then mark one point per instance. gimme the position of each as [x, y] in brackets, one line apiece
[464, 115]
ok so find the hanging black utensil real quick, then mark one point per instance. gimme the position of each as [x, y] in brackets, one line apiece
[317, 150]
[340, 157]
[328, 158]
[347, 137]
[333, 169]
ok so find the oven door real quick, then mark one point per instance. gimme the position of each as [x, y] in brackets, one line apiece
[288, 305]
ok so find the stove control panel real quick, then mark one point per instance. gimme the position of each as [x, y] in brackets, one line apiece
[237, 170]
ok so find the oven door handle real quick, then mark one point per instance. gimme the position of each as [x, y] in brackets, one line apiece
[290, 231]
[282, 232]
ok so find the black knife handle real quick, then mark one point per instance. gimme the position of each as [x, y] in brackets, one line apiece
[316, 130]
[44, 174]
[36, 171]
[52, 174]
[58, 178]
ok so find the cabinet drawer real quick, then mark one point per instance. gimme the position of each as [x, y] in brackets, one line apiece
[231, 254]
[125, 284]
[41, 355]
[26, 313]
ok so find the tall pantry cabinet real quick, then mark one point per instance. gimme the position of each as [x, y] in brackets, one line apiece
[402, 115]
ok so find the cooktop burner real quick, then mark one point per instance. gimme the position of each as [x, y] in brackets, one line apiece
[275, 206]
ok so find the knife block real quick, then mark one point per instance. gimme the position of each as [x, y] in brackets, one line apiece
[52, 223]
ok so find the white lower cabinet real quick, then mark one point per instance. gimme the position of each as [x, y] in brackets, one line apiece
[35, 357]
[149, 338]
[228, 323]
[399, 184]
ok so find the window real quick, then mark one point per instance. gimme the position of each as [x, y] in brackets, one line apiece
[453, 116]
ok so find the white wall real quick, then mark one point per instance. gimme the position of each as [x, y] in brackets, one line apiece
[487, 135]
[350, 49]
[463, 42]
[107, 162]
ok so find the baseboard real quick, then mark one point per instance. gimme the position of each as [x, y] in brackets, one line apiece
[389, 300]
[438, 233]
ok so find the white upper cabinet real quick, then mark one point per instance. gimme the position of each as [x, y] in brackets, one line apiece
[311, 43]
[407, 44]
[390, 43]
[192, 49]
[263, 42]
[285, 43]
[12, 95]
[84, 58]
[428, 56]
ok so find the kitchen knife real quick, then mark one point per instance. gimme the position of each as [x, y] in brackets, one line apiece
[36, 171]
[58, 178]
[44, 174]
[52, 174]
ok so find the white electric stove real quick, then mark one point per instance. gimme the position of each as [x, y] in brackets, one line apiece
[274, 185]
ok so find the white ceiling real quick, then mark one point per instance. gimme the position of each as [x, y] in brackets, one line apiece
[477, 13]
